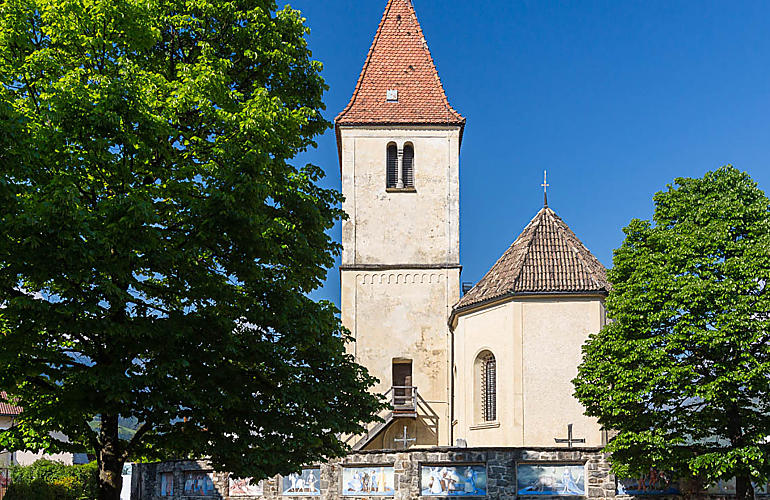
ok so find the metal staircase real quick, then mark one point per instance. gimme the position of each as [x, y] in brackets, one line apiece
[405, 402]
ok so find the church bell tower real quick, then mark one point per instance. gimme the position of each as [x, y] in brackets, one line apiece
[399, 147]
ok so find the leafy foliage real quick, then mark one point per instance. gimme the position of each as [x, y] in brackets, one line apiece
[47, 480]
[683, 370]
[156, 243]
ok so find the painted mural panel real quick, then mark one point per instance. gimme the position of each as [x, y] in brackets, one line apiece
[654, 483]
[307, 483]
[367, 481]
[198, 483]
[551, 479]
[167, 484]
[244, 487]
[453, 480]
[728, 488]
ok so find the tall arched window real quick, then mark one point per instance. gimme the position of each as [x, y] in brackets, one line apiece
[408, 171]
[392, 165]
[488, 386]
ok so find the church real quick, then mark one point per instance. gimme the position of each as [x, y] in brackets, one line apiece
[477, 378]
[488, 366]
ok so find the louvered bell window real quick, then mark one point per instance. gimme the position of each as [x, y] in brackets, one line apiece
[392, 166]
[408, 165]
[489, 388]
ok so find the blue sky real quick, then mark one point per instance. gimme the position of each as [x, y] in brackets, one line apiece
[614, 98]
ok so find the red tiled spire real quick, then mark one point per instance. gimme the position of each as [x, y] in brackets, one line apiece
[399, 60]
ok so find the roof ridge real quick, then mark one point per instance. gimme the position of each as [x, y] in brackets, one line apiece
[527, 232]
[450, 109]
[526, 249]
[547, 257]
[581, 249]
[367, 61]
[575, 245]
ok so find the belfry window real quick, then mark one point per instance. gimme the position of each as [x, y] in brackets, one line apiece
[400, 166]
[488, 387]
[408, 166]
[392, 166]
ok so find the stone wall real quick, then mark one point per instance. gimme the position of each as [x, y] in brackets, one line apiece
[501, 465]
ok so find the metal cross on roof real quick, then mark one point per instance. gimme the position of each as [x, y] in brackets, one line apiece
[545, 188]
[405, 439]
[570, 440]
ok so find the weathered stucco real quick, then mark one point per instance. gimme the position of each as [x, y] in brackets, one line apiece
[399, 315]
[400, 227]
[537, 346]
[400, 271]
[425, 430]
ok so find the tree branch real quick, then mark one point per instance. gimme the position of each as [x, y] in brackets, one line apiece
[135, 439]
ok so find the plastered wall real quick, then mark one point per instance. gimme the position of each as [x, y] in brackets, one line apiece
[400, 273]
[401, 315]
[401, 227]
[537, 345]
[554, 333]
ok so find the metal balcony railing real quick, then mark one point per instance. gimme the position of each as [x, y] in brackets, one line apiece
[403, 398]
[404, 402]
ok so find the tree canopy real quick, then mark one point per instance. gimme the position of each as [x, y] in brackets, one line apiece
[682, 370]
[157, 243]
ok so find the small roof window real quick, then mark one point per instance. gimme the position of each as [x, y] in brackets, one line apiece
[392, 95]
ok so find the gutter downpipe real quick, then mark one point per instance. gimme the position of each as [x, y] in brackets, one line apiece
[452, 387]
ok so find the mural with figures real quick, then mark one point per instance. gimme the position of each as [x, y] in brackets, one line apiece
[453, 480]
[245, 487]
[197, 483]
[654, 483]
[367, 481]
[167, 484]
[308, 483]
[551, 479]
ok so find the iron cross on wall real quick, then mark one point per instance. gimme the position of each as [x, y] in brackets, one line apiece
[405, 439]
[570, 440]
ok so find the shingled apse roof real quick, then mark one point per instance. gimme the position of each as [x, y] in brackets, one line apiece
[546, 258]
[399, 59]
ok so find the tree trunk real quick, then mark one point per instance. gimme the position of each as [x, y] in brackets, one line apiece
[110, 461]
[743, 487]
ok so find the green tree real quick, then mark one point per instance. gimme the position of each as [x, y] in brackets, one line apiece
[156, 243]
[683, 370]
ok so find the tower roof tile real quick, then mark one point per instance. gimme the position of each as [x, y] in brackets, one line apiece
[399, 60]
